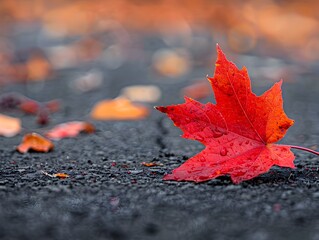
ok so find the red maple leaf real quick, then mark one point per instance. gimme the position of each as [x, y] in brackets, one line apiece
[239, 132]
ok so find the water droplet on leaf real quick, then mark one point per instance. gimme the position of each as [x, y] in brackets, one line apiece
[200, 138]
[217, 134]
[223, 152]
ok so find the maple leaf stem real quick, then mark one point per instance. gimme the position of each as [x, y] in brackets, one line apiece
[303, 149]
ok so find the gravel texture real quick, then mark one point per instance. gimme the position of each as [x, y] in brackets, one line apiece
[110, 195]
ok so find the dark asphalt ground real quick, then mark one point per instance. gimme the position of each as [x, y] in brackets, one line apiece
[104, 200]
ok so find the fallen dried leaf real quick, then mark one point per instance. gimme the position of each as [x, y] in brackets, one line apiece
[53, 105]
[63, 56]
[118, 109]
[151, 164]
[56, 175]
[43, 116]
[142, 93]
[197, 90]
[38, 67]
[60, 175]
[10, 100]
[9, 126]
[36, 142]
[69, 130]
[171, 63]
[29, 106]
[89, 81]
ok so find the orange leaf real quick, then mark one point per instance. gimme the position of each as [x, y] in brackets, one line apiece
[141, 93]
[70, 129]
[38, 67]
[60, 175]
[197, 90]
[170, 63]
[36, 142]
[151, 164]
[9, 126]
[118, 109]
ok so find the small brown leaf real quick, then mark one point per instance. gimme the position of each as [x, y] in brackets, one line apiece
[9, 126]
[151, 164]
[36, 142]
[197, 90]
[118, 109]
[142, 93]
[53, 105]
[29, 106]
[56, 175]
[38, 67]
[60, 175]
[69, 130]
[171, 63]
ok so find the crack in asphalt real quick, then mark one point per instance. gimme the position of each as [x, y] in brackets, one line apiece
[163, 132]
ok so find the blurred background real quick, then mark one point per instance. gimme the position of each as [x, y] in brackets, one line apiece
[39, 37]
[174, 40]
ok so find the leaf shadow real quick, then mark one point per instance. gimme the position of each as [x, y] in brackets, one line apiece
[274, 176]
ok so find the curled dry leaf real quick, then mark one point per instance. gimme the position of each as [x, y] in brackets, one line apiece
[60, 175]
[42, 110]
[197, 90]
[53, 105]
[62, 56]
[151, 164]
[118, 109]
[142, 93]
[56, 175]
[69, 130]
[35, 142]
[43, 116]
[30, 106]
[9, 126]
[10, 100]
[171, 63]
[38, 67]
[89, 81]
